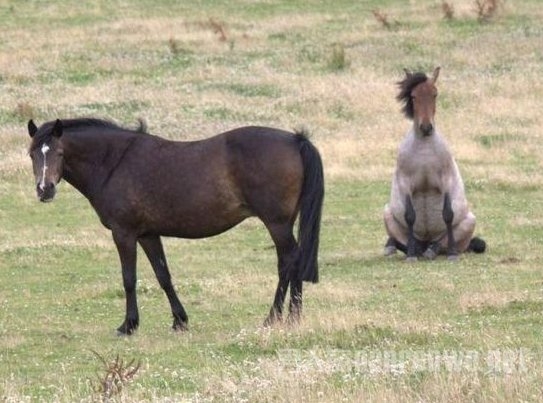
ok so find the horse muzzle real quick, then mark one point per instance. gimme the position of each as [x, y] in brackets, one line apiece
[46, 193]
[426, 129]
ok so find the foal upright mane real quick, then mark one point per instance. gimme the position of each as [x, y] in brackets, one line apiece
[407, 85]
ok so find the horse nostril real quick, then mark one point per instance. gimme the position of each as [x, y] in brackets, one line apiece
[426, 129]
[46, 192]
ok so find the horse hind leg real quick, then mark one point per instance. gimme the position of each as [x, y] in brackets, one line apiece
[287, 257]
[396, 234]
[152, 247]
[463, 234]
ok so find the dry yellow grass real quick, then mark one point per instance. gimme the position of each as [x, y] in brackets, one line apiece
[273, 70]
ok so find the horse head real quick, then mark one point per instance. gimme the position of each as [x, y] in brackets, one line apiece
[419, 93]
[46, 152]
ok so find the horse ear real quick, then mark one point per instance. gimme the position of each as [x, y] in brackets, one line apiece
[32, 128]
[435, 74]
[57, 129]
[407, 73]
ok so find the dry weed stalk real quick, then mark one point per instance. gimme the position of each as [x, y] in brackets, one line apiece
[382, 18]
[486, 9]
[218, 28]
[448, 10]
[116, 376]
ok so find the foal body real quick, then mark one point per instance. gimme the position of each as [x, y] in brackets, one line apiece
[428, 213]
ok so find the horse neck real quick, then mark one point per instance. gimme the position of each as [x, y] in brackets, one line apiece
[416, 140]
[417, 150]
[90, 158]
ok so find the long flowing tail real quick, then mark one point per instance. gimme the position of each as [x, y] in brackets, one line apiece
[311, 200]
[477, 245]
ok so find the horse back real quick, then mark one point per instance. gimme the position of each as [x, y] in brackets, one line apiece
[202, 188]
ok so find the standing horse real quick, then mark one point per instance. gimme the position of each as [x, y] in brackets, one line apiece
[144, 187]
[428, 212]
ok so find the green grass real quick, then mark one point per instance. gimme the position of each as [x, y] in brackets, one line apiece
[328, 66]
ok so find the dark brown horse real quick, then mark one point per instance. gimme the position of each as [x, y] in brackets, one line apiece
[428, 213]
[144, 187]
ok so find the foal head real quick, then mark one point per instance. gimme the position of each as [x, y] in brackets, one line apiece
[419, 93]
[47, 157]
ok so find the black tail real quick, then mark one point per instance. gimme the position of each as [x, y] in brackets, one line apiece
[310, 210]
[477, 245]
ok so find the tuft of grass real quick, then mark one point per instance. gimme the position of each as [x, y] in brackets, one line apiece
[486, 9]
[338, 60]
[497, 140]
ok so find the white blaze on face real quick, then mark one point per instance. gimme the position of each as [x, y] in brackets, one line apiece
[44, 150]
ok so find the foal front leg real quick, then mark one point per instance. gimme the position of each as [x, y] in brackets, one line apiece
[152, 247]
[126, 246]
[448, 216]
[410, 216]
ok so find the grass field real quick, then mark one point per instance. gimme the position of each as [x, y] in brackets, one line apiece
[374, 328]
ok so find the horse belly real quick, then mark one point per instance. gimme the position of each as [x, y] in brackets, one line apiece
[198, 218]
[429, 224]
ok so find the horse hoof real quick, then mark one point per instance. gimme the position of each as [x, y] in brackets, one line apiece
[179, 327]
[125, 330]
[272, 319]
[430, 254]
[294, 319]
[389, 250]
[124, 333]
[453, 258]
[411, 259]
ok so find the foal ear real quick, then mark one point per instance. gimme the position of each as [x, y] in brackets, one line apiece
[32, 128]
[407, 73]
[57, 129]
[435, 74]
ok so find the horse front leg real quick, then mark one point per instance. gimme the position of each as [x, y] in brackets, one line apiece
[410, 216]
[152, 247]
[126, 246]
[448, 216]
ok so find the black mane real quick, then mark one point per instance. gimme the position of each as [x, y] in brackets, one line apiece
[46, 129]
[406, 87]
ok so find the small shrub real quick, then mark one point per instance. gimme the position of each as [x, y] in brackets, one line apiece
[486, 9]
[174, 46]
[115, 378]
[218, 28]
[382, 18]
[448, 10]
[24, 111]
